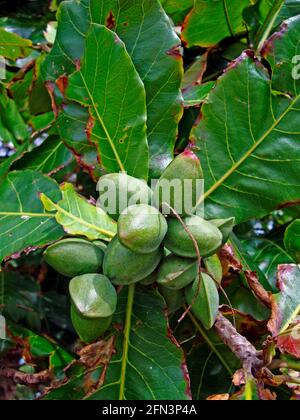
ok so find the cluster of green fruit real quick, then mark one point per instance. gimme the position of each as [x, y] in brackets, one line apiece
[148, 248]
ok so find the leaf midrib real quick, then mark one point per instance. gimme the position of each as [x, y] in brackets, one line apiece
[230, 28]
[81, 221]
[100, 119]
[25, 214]
[14, 45]
[248, 154]
[126, 342]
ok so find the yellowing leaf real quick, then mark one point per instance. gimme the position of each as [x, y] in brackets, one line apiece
[12, 46]
[78, 217]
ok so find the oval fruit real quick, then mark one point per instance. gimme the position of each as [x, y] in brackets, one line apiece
[214, 268]
[73, 257]
[93, 296]
[179, 185]
[142, 228]
[205, 300]
[150, 279]
[118, 191]
[225, 226]
[208, 237]
[89, 329]
[176, 272]
[124, 266]
[100, 245]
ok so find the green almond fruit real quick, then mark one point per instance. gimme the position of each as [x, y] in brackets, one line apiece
[176, 272]
[101, 245]
[118, 191]
[73, 257]
[184, 174]
[178, 241]
[206, 304]
[225, 226]
[151, 279]
[88, 329]
[93, 295]
[174, 298]
[214, 268]
[142, 228]
[125, 267]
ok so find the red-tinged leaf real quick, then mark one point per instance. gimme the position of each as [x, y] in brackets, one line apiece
[289, 342]
[211, 21]
[152, 44]
[258, 289]
[286, 304]
[116, 104]
[229, 260]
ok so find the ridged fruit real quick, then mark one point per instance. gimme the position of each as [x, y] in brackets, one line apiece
[93, 296]
[142, 228]
[73, 257]
[89, 329]
[176, 272]
[124, 191]
[186, 174]
[225, 226]
[125, 267]
[207, 236]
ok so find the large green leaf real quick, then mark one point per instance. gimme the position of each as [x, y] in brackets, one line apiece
[78, 217]
[210, 21]
[146, 364]
[109, 85]
[249, 135]
[265, 16]
[292, 239]
[23, 221]
[50, 157]
[177, 9]
[242, 254]
[286, 305]
[153, 45]
[71, 125]
[151, 42]
[12, 125]
[208, 375]
[73, 19]
[12, 46]
[242, 299]
[289, 8]
[268, 256]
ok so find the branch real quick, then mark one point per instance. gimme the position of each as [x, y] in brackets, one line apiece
[238, 344]
[26, 378]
